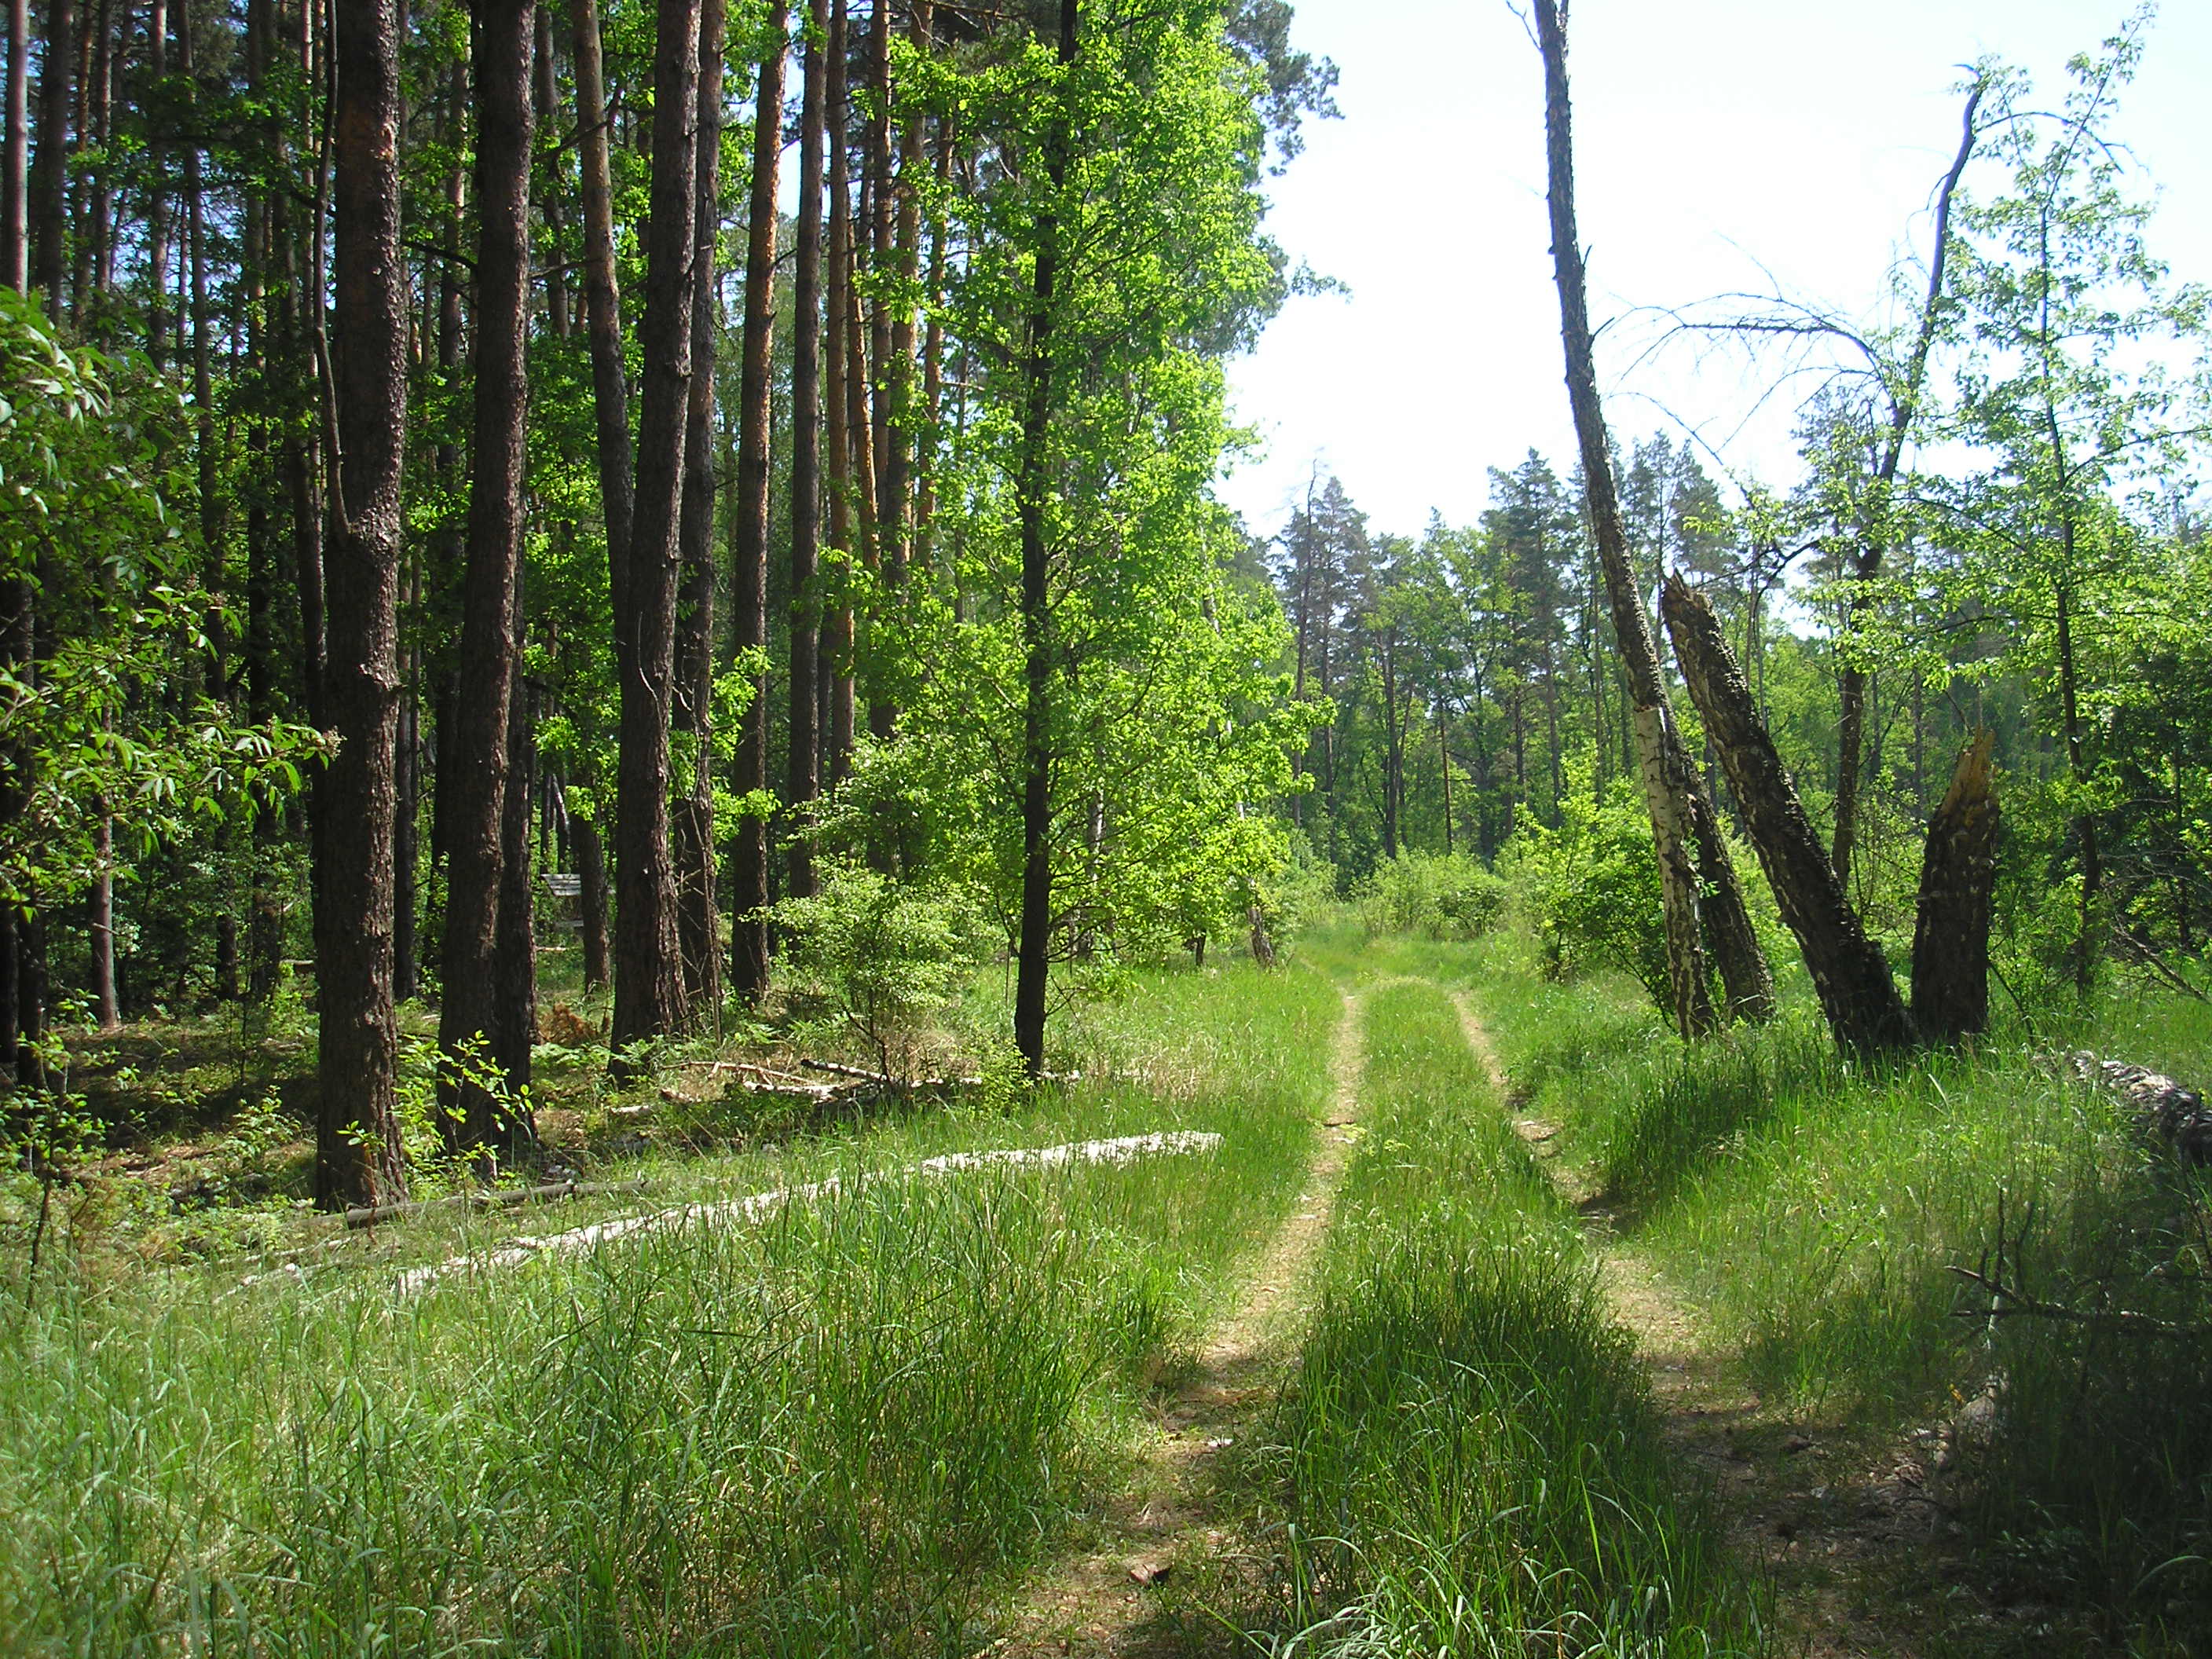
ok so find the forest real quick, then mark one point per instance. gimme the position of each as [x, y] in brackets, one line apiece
[696, 957]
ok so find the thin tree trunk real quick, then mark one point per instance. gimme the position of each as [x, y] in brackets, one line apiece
[102, 928]
[406, 795]
[473, 757]
[1850, 722]
[749, 902]
[1033, 968]
[1957, 877]
[1745, 979]
[359, 1158]
[803, 780]
[1848, 967]
[515, 950]
[1665, 789]
[15, 169]
[49, 173]
[592, 897]
[694, 824]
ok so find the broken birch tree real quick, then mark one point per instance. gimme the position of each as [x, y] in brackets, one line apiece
[1848, 967]
[1958, 878]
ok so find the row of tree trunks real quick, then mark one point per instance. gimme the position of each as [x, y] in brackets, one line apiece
[1669, 781]
[694, 663]
[649, 999]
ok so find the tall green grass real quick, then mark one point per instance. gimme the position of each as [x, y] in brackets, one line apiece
[836, 1433]
[1472, 1460]
[1816, 1207]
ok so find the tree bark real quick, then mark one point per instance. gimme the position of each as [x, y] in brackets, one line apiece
[473, 756]
[1666, 785]
[1957, 877]
[15, 159]
[695, 662]
[1850, 722]
[514, 950]
[1745, 979]
[359, 1158]
[1033, 962]
[749, 902]
[1849, 970]
[649, 999]
[803, 779]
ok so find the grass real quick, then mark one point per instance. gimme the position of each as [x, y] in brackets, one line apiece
[1472, 1461]
[1814, 1207]
[840, 1432]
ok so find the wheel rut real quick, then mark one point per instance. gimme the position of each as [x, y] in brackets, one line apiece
[1164, 1525]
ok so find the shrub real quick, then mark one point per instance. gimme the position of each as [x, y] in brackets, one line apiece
[880, 955]
[1433, 895]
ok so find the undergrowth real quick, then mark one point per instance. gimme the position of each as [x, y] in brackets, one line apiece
[835, 1433]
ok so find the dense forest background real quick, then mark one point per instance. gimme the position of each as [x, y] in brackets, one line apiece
[452, 505]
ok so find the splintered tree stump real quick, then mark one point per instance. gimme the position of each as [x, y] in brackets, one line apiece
[1958, 874]
[1849, 969]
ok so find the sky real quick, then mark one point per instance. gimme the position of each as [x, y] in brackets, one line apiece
[1721, 146]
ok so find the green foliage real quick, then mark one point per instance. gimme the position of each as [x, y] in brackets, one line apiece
[1594, 884]
[882, 955]
[1431, 896]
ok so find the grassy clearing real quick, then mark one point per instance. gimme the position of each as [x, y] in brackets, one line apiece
[1815, 1209]
[1471, 1460]
[833, 1433]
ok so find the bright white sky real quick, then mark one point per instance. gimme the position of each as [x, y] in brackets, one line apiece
[1713, 138]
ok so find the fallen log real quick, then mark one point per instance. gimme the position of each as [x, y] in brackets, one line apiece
[498, 1198]
[758, 1207]
[2162, 1107]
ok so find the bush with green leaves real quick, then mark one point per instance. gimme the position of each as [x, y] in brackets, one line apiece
[1593, 883]
[880, 956]
[1436, 896]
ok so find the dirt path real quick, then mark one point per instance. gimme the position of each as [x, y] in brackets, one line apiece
[1824, 1513]
[1163, 1527]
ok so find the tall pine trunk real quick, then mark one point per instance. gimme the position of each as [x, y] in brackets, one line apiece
[473, 755]
[1032, 487]
[749, 901]
[802, 776]
[649, 999]
[838, 368]
[358, 1156]
[1666, 787]
[16, 153]
[695, 635]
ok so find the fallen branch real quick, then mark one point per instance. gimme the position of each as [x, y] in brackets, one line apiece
[2005, 1301]
[758, 1207]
